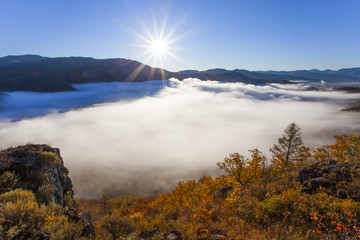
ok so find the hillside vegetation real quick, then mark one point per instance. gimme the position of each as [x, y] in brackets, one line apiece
[300, 193]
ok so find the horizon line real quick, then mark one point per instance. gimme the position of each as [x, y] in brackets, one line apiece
[220, 68]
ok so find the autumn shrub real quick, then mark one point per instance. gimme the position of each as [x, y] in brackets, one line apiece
[19, 195]
[45, 192]
[127, 200]
[345, 149]
[248, 208]
[61, 228]
[291, 208]
[243, 170]
[118, 226]
[106, 205]
[8, 181]
[333, 217]
[20, 212]
[50, 158]
[68, 199]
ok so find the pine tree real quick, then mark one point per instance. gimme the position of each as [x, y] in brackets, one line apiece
[288, 144]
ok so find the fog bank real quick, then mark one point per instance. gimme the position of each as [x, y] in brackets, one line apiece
[147, 136]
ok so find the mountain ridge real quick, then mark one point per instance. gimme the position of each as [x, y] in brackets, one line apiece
[45, 74]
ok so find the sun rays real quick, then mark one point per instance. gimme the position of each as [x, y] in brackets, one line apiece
[159, 39]
[159, 45]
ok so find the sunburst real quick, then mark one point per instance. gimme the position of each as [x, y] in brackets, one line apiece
[159, 41]
[159, 47]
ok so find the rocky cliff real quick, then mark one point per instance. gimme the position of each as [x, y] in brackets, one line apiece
[38, 168]
[36, 196]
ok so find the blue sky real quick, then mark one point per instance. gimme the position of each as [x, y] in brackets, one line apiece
[248, 34]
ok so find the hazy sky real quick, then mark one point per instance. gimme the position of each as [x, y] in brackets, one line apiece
[250, 34]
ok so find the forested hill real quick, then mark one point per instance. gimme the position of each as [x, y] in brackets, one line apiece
[35, 73]
[43, 74]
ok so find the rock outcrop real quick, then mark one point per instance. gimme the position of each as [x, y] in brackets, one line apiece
[328, 175]
[38, 168]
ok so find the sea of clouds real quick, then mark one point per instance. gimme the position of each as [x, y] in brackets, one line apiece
[142, 138]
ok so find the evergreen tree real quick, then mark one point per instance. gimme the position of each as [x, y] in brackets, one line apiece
[288, 144]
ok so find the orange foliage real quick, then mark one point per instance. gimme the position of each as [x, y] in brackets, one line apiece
[252, 201]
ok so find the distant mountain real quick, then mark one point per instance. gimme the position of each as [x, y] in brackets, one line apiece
[43, 74]
[327, 76]
[11, 60]
[270, 76]
[338, 76]
[57, 74]
[234, 76]
[189, 71]
[216, 71]
[354, 72]
[319, 71]
[342, 75]
[226, 76]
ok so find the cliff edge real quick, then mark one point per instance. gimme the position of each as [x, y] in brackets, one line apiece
[38, 168]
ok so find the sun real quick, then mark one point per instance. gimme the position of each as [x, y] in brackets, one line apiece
[159, 47]
[158, 44]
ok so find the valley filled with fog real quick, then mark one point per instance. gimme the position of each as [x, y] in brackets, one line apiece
[144, 137]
